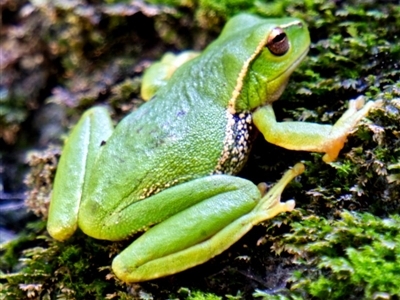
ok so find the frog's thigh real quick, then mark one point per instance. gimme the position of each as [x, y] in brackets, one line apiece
[202, 231]
[126, 220]
[310, 136]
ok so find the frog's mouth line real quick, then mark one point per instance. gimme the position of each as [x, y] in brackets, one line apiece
[280, 87]
[293, 66]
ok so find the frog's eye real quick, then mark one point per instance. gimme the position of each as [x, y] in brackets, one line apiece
[278, 42]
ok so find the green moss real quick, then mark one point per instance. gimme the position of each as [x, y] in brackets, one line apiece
[198, 295]
[356, 256]
[77, 269]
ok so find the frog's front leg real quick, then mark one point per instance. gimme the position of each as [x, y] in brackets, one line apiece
[203, 230]
[328, 139]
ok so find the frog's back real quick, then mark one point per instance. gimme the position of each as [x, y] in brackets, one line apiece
[165, 142]
[185, 132]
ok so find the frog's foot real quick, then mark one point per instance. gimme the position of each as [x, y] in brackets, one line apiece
[224, 209]
[270, 204]
[345, 125]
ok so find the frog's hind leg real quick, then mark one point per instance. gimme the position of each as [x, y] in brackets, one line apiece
[79, 154]
[203, 230]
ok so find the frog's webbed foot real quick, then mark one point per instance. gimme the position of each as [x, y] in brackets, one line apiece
[345, 125]
[270, 204]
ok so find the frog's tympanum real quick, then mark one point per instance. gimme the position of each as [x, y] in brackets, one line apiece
[168, 168]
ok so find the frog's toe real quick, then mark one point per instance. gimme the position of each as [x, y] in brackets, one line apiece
[289, 205]
[262, 187]
[357, 103]
[330, 156]
[347, 124]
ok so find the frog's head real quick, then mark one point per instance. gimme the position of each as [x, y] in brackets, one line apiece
[274, 48]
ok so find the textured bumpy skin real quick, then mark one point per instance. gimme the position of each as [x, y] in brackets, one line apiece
[182, 133]
[169, 163]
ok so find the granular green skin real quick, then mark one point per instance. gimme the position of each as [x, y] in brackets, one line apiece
[369, 55]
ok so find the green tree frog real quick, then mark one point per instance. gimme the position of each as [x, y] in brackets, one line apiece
[168, 168]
